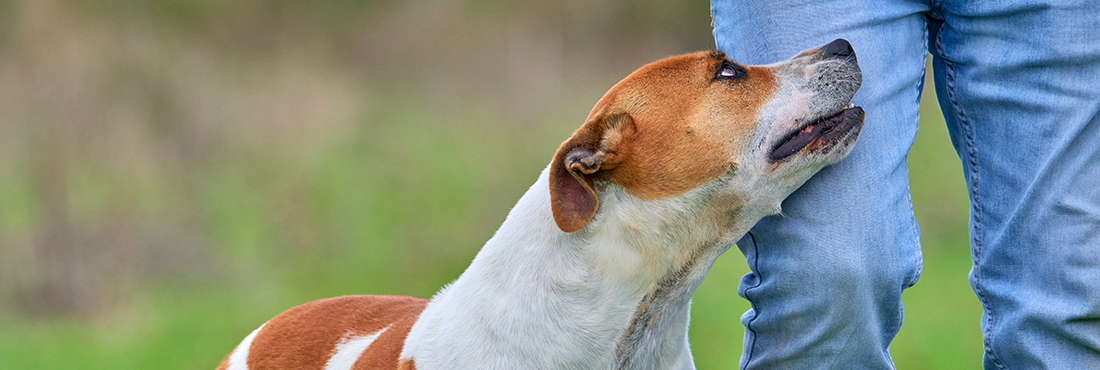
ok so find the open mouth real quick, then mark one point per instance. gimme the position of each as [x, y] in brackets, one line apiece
[820, 132]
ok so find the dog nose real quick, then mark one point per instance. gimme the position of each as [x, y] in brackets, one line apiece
[839, 48]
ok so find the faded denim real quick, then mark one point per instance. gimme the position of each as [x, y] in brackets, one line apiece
[1019, 85]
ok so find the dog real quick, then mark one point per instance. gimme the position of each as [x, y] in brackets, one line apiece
[595, 265]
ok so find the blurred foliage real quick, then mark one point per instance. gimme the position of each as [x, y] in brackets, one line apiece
[175, 172]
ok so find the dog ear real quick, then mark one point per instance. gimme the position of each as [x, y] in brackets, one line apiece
[596, 146]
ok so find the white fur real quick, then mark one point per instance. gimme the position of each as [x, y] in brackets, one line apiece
[349, 349]
[535, 297]
[239, 359]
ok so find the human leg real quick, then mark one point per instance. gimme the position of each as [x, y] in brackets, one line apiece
[1019, 84]
[827, 275]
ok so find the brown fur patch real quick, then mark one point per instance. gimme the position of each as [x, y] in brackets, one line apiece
[686, 128]
[304, 337]
[689, 126]
[225, 362]
[593, 147]
[406, 364]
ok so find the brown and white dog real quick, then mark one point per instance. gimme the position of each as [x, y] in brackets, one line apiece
[595, 266]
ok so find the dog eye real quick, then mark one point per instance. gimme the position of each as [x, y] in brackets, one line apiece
[729, 70]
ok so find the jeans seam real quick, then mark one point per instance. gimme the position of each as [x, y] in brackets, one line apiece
[755, 314]
[908, 191]
[972, 158]
[916, 236]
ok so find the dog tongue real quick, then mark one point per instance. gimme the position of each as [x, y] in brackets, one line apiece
[796, 142]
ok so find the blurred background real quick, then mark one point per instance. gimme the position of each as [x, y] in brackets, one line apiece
[173, 173]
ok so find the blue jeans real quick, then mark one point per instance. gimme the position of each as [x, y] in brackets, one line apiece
[1019, 85]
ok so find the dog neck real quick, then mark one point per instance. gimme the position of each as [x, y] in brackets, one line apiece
[614, 295]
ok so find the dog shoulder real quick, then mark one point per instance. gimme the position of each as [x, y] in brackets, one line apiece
[360, 332]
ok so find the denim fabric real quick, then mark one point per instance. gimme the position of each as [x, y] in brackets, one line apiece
[1019, 84]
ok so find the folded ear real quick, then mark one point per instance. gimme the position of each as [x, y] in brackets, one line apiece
[596, 146]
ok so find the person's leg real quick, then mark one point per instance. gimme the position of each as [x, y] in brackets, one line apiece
[1019, 84]
[828, 273]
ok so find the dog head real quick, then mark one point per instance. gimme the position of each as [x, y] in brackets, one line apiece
[755, 133]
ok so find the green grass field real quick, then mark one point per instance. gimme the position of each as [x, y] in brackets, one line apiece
[172, 177]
